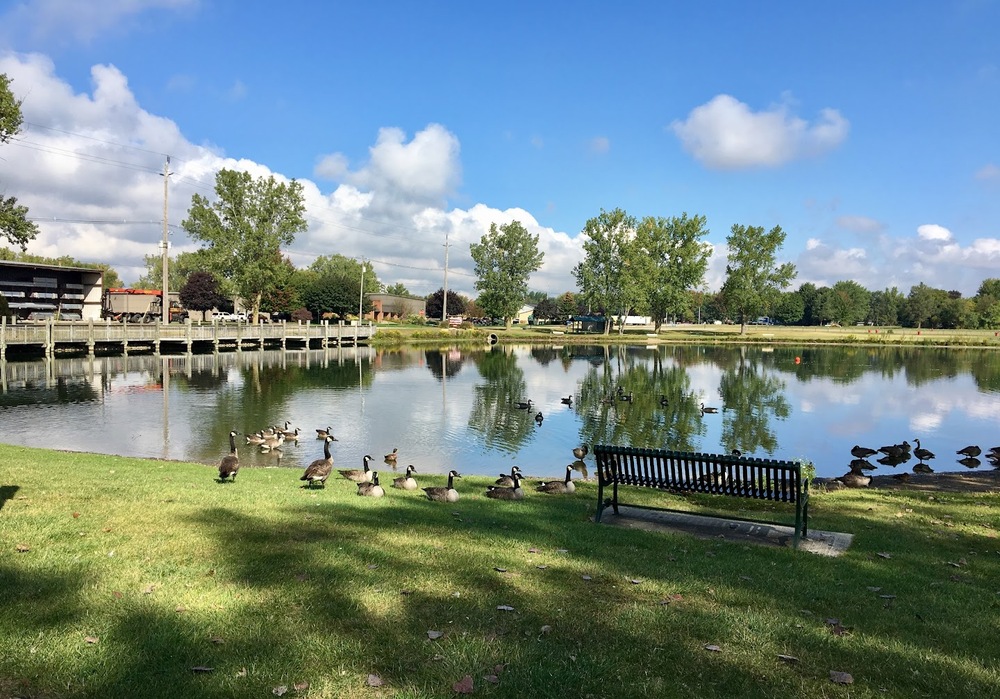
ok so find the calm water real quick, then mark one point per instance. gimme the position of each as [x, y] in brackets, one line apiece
[455, 408]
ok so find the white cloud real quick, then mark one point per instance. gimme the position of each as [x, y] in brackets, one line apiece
[96, 158]
[725, 134]
[70, 20]
[934, 232]
[860, 224]
[599, 145]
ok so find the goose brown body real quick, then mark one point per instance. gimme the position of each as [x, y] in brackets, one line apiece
[230, 463]
[319, 470]
[563, 487]
[406, 482]
[359, 475]
[372, 489]
[501, 493]
[444, 493]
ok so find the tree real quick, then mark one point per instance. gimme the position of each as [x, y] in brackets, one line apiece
[885, 306]
[14, 223]
[285, 296]
[201, 292]
[246, 225]
[753, 277]
[178, 270]
[847, 303]
[607, 276]
[345, 268]
[790, 308]
[546, 309]
[678, 261]
[435, 304]
[398, 289]
[922, 304]
[567, 305]
[505, 258]
[337, 294]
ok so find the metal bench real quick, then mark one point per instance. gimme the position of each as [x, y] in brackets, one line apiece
[708, 474]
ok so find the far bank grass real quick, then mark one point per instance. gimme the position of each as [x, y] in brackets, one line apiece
[129, 577]
[389, 334]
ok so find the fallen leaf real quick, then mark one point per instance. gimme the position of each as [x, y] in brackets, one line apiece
[406, 592]
[374, 681]
[714, 649]
[635, 582]
[841, 677]
[279, 691]
[874, 589]
[500, 570]
[76, 515]
[302, 577]
[492, 679]
[434, 635]
[562, 550]
[148, 590]
[532, 550]
[788, 658]
[541, 567]
[372, 566]
[106, 530]
[242, 672]
[116, 594]
[883, 554]
[887, 596]
[505, 608]
[22, 548]
[202, 668]
[498, 668]
[217, 640]
[438, 658]
[464, 685]
[91, 639]
[180, 609]
[546, 629]
[586, 577]
[301, 686]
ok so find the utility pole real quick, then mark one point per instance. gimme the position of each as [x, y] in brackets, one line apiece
[165, 246]
[444, 300]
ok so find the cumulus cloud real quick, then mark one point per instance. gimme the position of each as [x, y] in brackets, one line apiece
[89, 167]
[934, 232]
[726, 134]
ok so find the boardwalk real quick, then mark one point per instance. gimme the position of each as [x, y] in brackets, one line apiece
[107, 336]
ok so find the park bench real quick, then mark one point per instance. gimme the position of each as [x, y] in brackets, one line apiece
[708, 474]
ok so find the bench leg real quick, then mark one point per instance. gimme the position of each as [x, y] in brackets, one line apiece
[600, 501]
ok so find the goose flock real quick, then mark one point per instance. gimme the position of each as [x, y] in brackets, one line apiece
[506, 487]
[899, 453]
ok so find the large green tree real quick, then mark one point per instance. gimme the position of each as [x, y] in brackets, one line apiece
[847, 303]
[610, 275]
[505, 257]
[347, 267]
[753, 277]
[885, 305]
[677, 259]
[178, 270]
[14, 223]
[245, 227]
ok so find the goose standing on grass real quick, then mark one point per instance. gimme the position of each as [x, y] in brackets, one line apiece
[855, 479]
[322, 434]
[507, 481]
[514, 492]
[406, 482]
[319, 470]
[971, 451]
[921, 453]
[581, 452]
[359, 475]
[708, 410]
[373, 489]
[444, 493]
[230, 462]
[390, 458]
[862, 452]
[566, 486]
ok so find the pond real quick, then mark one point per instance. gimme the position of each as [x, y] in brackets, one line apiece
[457, 407]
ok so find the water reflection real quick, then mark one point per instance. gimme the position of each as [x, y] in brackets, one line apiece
[456, 408]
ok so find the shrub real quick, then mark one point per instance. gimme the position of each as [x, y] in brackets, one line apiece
[303, 314]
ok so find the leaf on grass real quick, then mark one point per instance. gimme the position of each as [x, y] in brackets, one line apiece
[434, 635]
[302, 577]
[542, 567]
[202, 668]
[464, 685]
[406, 592]
[713, 648]
[22, 548]
[841, 677]
[148, 590]
[887, 596]
[787, 658]
[242, 672]
[492, 679]
[546, 629]
[505, 608]
[76, 515]
[116, 594]
[872, 588]
[562, 550]
[372, 566]
[675, 597]
[635, 581]
[532, 550]
[217, 640]
[180, 609]
[301, 686]
[106, 530]
[374, 681]
[499, 667]
[586, 577]
[280, 691]
[883, 554]
[839, 630]
[91, 639]
[438, 658]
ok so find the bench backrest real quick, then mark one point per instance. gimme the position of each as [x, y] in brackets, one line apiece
[719, 474]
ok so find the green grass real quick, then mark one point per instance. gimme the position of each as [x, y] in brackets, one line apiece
[271, 585]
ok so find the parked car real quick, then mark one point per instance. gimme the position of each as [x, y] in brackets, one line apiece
[230, 317]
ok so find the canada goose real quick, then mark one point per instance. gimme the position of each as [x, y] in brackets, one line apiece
[903, 476]
[862, 452]
[391, 456]
[255, 438]
[921, 453]
[359, 475]
[895, 459]
[708, 410]
[737, 453]
[524, 405]
[292, 435]
[581, 452]
[568, 400]
[272, 441]
[855, 479]
[539, 417]
[994, 450]
[231, 462]
[514, 492]
[507, 481]
[861, 465]
[895, 449]
[663, 401]
[406, 482]
[970, 451]
[373, 489]
[970, 462]
[319, 470]
[566, 486]
[627, 397]
[442, 493]
[322, 434]
[922, 468]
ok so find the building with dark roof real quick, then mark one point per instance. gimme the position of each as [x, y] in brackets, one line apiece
[37, 291]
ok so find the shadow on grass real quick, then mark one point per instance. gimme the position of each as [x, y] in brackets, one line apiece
[7, 492]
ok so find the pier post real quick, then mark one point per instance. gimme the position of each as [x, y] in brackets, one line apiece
[3, 338]
[91, 342]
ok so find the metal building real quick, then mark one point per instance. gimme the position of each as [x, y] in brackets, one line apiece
[36, 291]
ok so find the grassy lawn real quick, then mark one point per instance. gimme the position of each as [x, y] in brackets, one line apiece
[123, 577]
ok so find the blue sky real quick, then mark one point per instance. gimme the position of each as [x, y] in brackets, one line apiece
[867, 131]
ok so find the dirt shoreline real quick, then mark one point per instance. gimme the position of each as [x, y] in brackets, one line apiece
[987, 481]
